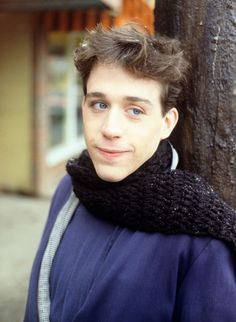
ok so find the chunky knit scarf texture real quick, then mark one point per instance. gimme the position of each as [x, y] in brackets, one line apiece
[155, 199]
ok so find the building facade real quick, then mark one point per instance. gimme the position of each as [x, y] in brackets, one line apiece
[40, 101]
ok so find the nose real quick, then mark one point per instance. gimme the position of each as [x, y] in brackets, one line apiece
[113, 124]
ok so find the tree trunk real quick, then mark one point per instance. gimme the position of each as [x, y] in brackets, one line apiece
[206, 137]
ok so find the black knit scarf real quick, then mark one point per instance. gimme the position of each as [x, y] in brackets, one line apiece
[155, 199]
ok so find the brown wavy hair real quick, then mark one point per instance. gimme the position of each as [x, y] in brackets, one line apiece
[137, 51]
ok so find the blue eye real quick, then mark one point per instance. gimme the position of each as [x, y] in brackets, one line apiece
[99, 106]
[135, 111]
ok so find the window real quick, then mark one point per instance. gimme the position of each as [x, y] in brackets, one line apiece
[64, 97]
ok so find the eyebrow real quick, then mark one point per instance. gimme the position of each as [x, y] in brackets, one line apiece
[137, 99]
[95, 94]
[126, 98]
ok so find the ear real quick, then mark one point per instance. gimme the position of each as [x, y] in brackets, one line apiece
[169, 122]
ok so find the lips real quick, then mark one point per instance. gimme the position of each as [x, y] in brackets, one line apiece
[111, 153]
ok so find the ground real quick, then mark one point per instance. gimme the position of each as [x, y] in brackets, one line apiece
[22, 220]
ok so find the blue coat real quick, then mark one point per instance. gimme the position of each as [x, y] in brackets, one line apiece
[105, 273]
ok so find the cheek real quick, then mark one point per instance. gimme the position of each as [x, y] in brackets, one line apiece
[88, 134]
[151, 132]
[148, 140]
[89, 124]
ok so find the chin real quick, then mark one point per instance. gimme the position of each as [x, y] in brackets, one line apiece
[111, 176]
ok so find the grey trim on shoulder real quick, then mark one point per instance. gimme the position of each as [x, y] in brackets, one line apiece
[175, 158]
[57, 232]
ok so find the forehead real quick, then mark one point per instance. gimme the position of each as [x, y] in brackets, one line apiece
[115, 80]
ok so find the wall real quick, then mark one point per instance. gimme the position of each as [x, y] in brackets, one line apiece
[15, 102]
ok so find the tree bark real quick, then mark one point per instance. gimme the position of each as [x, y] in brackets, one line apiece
[206, 137]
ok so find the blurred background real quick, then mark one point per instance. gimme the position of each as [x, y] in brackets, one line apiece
[40, 108]
[40, 124]
[40, 119]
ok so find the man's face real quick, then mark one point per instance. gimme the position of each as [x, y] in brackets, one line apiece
[123, 122]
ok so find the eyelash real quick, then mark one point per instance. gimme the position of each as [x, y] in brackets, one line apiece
[136, 109]
[93, 104]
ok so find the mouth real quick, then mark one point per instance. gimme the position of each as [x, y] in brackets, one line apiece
[111, 153]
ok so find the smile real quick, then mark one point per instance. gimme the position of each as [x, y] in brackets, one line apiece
[111, 153]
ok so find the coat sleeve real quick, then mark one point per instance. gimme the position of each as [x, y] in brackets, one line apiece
[61, 194]
[208, 290]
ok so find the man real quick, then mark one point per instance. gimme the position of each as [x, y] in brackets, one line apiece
[136, 240]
